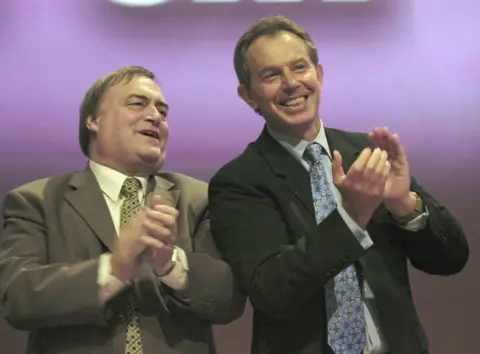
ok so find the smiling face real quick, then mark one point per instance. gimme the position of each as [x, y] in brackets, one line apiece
[284, 84]
[131, 130]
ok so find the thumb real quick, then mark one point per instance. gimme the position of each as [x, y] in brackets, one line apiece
[156, 200]
[337, 170]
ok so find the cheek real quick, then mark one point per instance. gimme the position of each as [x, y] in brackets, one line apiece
[313, 83]
[266, 96]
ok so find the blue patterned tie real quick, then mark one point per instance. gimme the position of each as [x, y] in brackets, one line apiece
[346, 327]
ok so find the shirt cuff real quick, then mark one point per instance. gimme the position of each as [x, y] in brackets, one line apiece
[108, 284]
[177, 279]
[418, 223]
[361, 235]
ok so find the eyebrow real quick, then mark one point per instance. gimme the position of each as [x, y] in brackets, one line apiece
[145, 98]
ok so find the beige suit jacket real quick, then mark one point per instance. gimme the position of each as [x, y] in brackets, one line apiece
[55, 230]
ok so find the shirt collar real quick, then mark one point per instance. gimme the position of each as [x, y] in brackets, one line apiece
[297, 146]
[111, 181]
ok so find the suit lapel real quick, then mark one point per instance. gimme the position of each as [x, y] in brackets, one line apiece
[287, 168]
[338, 141]
[87, 199]
[164, 188]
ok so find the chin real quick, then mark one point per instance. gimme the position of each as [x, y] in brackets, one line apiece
[305, 119]
[154, 160]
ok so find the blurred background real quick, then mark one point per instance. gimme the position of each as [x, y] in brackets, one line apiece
[413, 65]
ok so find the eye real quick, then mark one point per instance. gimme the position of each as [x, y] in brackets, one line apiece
[299, 67]
[270, 77]
[135, 104]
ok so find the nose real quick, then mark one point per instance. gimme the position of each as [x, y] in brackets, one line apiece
[154, 116]
[290, 83]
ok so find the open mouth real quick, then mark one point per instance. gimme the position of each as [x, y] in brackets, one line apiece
[294, 102]
[150, 133]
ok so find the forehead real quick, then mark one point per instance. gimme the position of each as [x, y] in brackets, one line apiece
[140, 86]
[276, 50]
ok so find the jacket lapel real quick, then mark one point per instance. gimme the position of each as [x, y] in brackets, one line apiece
[287, 168]
[87, 199]
[164, 188]
[339, 141]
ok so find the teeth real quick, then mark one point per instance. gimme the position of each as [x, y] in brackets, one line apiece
[294, 102]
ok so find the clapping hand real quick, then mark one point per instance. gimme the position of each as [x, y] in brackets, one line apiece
[397, 196]
[162, 226]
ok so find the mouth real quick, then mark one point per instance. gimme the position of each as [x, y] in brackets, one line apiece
[294, 102]
[150, 133]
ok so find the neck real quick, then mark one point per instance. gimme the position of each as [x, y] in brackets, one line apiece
[306, 132]
[130, 171]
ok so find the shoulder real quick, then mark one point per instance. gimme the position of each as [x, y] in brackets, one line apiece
[358, 139]
[35, 194]
[242, 167]
[44, 186]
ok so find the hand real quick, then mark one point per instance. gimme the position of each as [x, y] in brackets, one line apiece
[132, 241]
[363, 186]
[163, 227]
[397, 197]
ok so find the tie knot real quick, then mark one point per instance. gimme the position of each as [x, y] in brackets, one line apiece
[131, 186]
[313, 153]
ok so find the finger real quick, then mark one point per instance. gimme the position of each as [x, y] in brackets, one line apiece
[149, 241]
[397, 147]
[338, 174]
[386, 170]
[156, 216]
[355, 171]
[375, 136]
[166, 209]
[380, 166]
[156, 200]
[371, 165]
[159, 232]
[380, 137]
[378, 181]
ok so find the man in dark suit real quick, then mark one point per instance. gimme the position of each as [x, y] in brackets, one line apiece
[78, 288]
[318, 223]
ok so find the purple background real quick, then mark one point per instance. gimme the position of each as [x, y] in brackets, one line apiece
[412, 65]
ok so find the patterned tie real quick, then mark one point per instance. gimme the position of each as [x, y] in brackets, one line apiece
[346, 327]
[130, 208]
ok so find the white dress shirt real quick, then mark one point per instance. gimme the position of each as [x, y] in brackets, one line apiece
[111, 182]
[376, 342]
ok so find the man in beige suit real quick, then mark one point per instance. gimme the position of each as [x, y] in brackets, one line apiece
[117, 258]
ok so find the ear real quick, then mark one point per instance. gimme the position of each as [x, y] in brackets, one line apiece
[92, 123]
[245, 95]
[320, 75]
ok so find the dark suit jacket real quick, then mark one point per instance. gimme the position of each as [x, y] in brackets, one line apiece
[263, 222]
[54, 231]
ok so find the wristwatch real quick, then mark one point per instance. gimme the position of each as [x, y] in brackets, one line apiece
[419, 210]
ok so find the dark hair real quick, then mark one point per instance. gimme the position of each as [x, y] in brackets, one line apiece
[93, 98]
[267, 26]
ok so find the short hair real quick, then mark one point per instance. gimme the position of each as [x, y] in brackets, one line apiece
[268, 26]
[93, 98]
